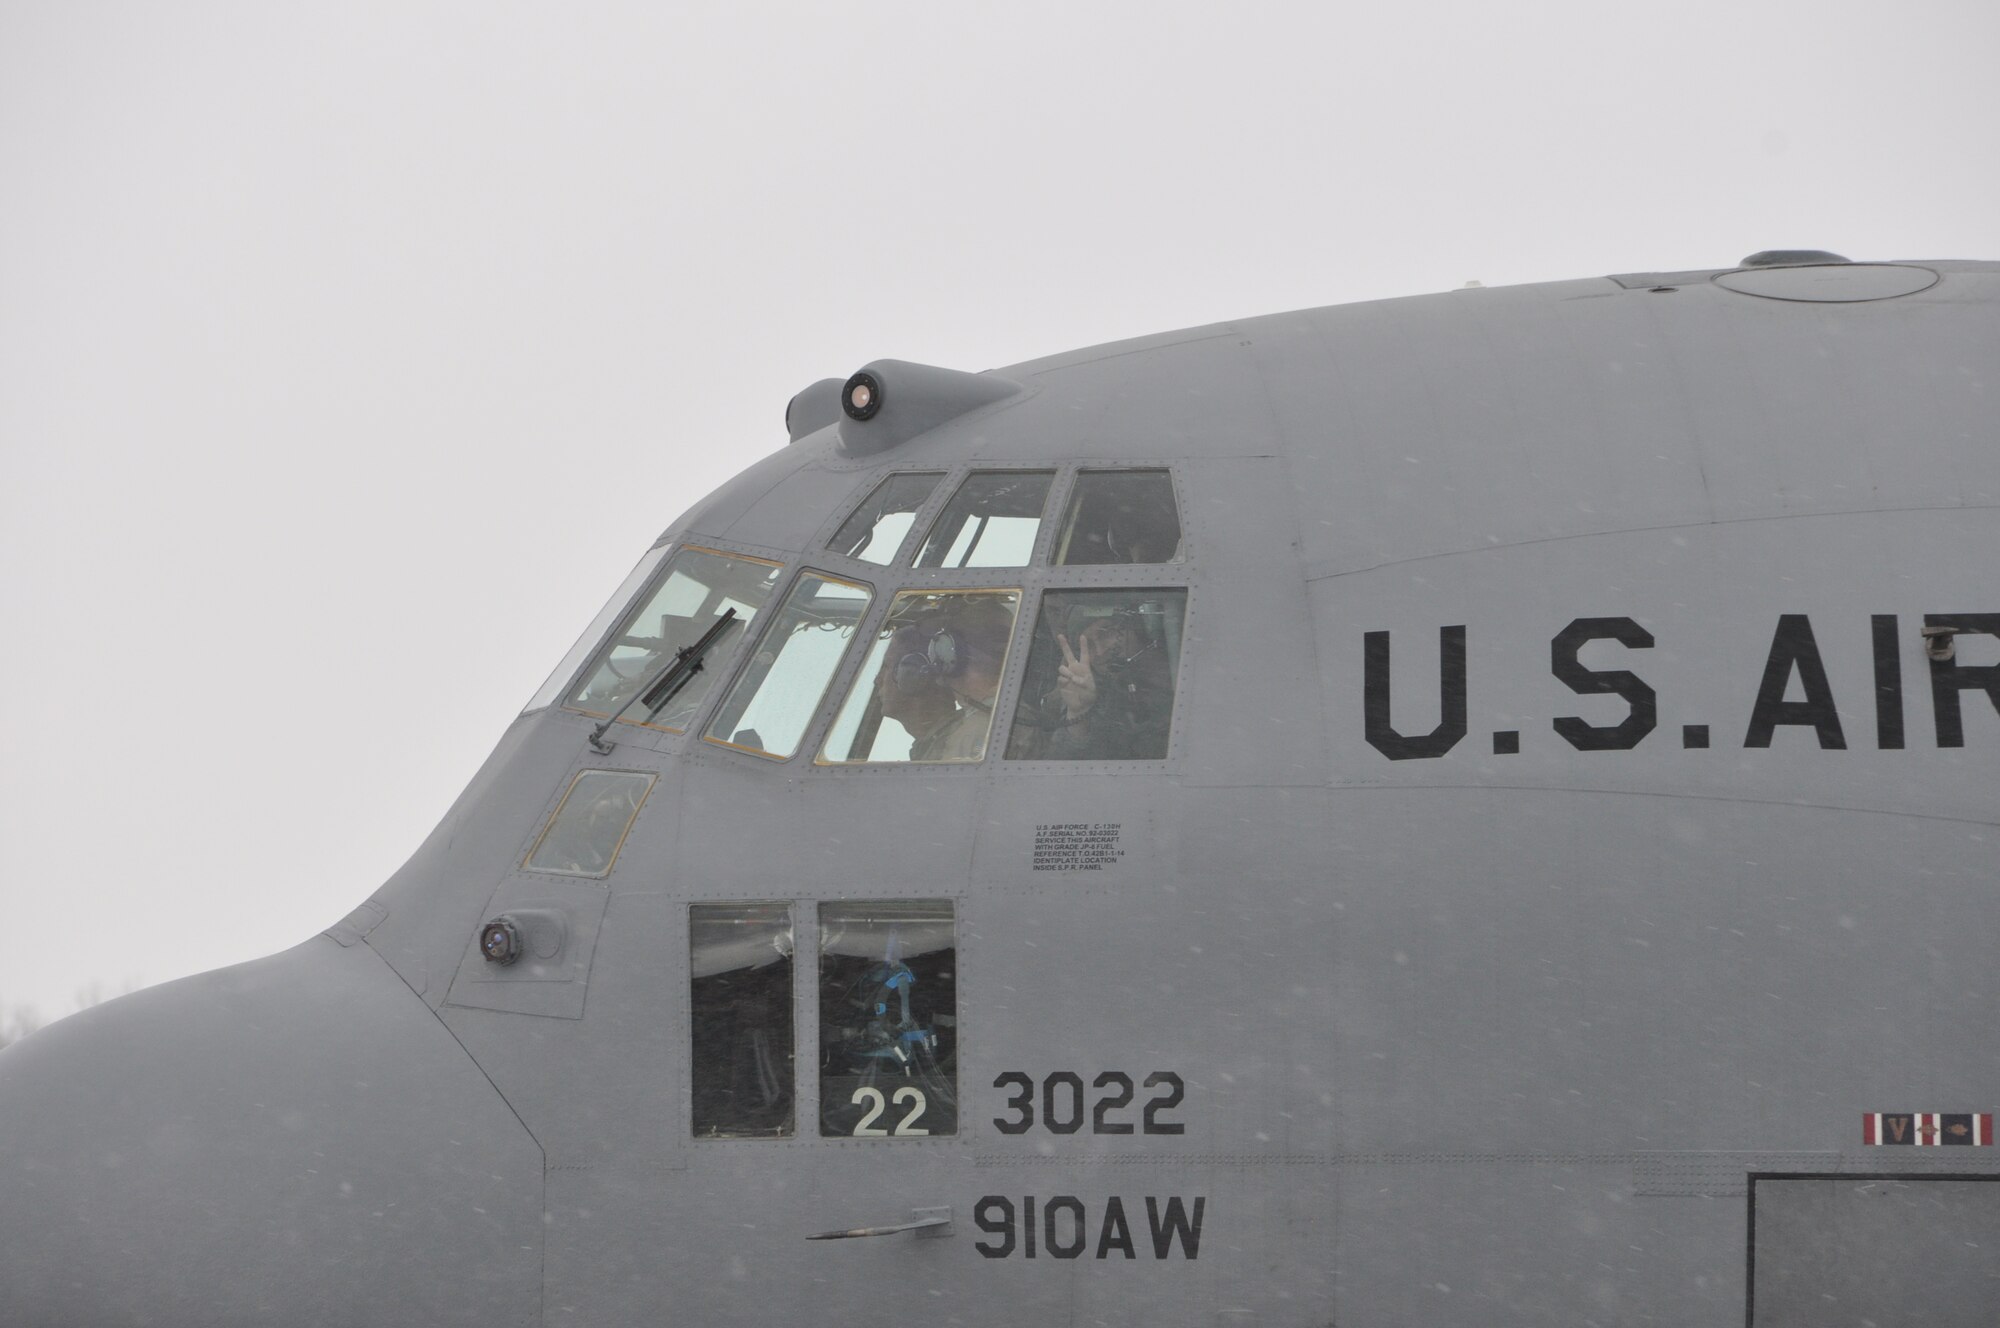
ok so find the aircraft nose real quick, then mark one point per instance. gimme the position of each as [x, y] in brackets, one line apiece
[296, 1140]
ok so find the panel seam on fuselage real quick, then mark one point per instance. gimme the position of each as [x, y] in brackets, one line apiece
[1313, 576]
[1649, 793]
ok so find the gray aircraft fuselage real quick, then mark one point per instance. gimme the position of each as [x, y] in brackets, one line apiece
[1566, 895]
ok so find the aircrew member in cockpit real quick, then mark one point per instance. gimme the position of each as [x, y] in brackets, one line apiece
[909, 692]
[940, 674]
[967, 653]
[1114, 694]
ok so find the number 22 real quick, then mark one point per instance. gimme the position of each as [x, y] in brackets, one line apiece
[865, 1127]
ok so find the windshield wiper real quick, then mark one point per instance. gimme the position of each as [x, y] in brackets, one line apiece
[664, 685]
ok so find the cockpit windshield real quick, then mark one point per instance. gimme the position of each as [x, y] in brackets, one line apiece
[768, 709]
[926, 690]
[699, 585]
[876, 529]
[992, 521]
[1120, 516]
[639, 576]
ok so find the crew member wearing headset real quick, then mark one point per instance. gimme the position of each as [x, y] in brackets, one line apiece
[1114, 694]
[908, 691]
[940, 675]
[966, 654]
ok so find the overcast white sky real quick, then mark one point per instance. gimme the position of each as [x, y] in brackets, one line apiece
[350, 354]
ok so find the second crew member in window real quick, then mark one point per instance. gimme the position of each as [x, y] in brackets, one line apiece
[1113, 699]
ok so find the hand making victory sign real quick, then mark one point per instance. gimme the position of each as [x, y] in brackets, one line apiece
[1076, 681]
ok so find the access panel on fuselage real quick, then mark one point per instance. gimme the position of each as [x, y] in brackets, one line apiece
[1875, 1249]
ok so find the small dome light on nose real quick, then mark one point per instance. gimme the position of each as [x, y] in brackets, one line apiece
[500, 940]
[862, 396]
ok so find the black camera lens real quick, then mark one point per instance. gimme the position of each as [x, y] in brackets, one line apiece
[500, 940]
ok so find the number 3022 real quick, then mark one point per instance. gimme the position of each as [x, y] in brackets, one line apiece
[1062, 1103]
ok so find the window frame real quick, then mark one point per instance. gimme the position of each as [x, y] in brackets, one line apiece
[851, 670]
[527, 866]
[926, 512]
[699, 715]
[562, 679]
[1106, 586]
[886, 582]
[961, 1118]
[803, 921]
[1061, 490]
[863, 628]
[804, 911]
[1073, 477]
[959, 477]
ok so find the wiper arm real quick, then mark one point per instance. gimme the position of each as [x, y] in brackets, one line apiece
[667, 682]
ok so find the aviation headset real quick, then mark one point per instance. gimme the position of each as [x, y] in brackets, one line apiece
[944, 655]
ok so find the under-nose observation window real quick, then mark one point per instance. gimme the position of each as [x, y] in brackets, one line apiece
[888, 1019]
[1120, 516]
[1101, 674]
[768, 709]
[926, 690]
[740, 997]
[590, 825]
[699, 586]
[991, 521]
[878, 527]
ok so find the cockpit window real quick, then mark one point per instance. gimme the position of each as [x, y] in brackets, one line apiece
[1101, 675]
[740, 1000]
[926, 690]
[879, 525]
[991, 521]
[773, 702]
[1120, 516]
[888, 1019]
[699, 585]
[593, 633]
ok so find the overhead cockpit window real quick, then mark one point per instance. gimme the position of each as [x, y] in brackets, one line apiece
[991, 521]
[926, 690]
[699, 586]
[888, 1019]
[590, 824]
[591, 634]
[740, 999]
[773, 702]
[879, 525]
[1120, 516]
[1101, 676]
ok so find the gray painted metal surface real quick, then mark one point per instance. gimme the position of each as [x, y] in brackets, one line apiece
[1874, 1249]
[1561, 823]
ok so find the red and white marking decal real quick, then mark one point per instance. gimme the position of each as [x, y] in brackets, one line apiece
[1927, 1129]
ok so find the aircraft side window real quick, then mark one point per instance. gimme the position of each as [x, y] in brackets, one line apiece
[926, 690]
[876, 529]
[589, 826]
[1101, 676]
[888, 1019]
[740, 964]
[773, 702]
[991, 521]
[1120, 516]
[699, 585]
